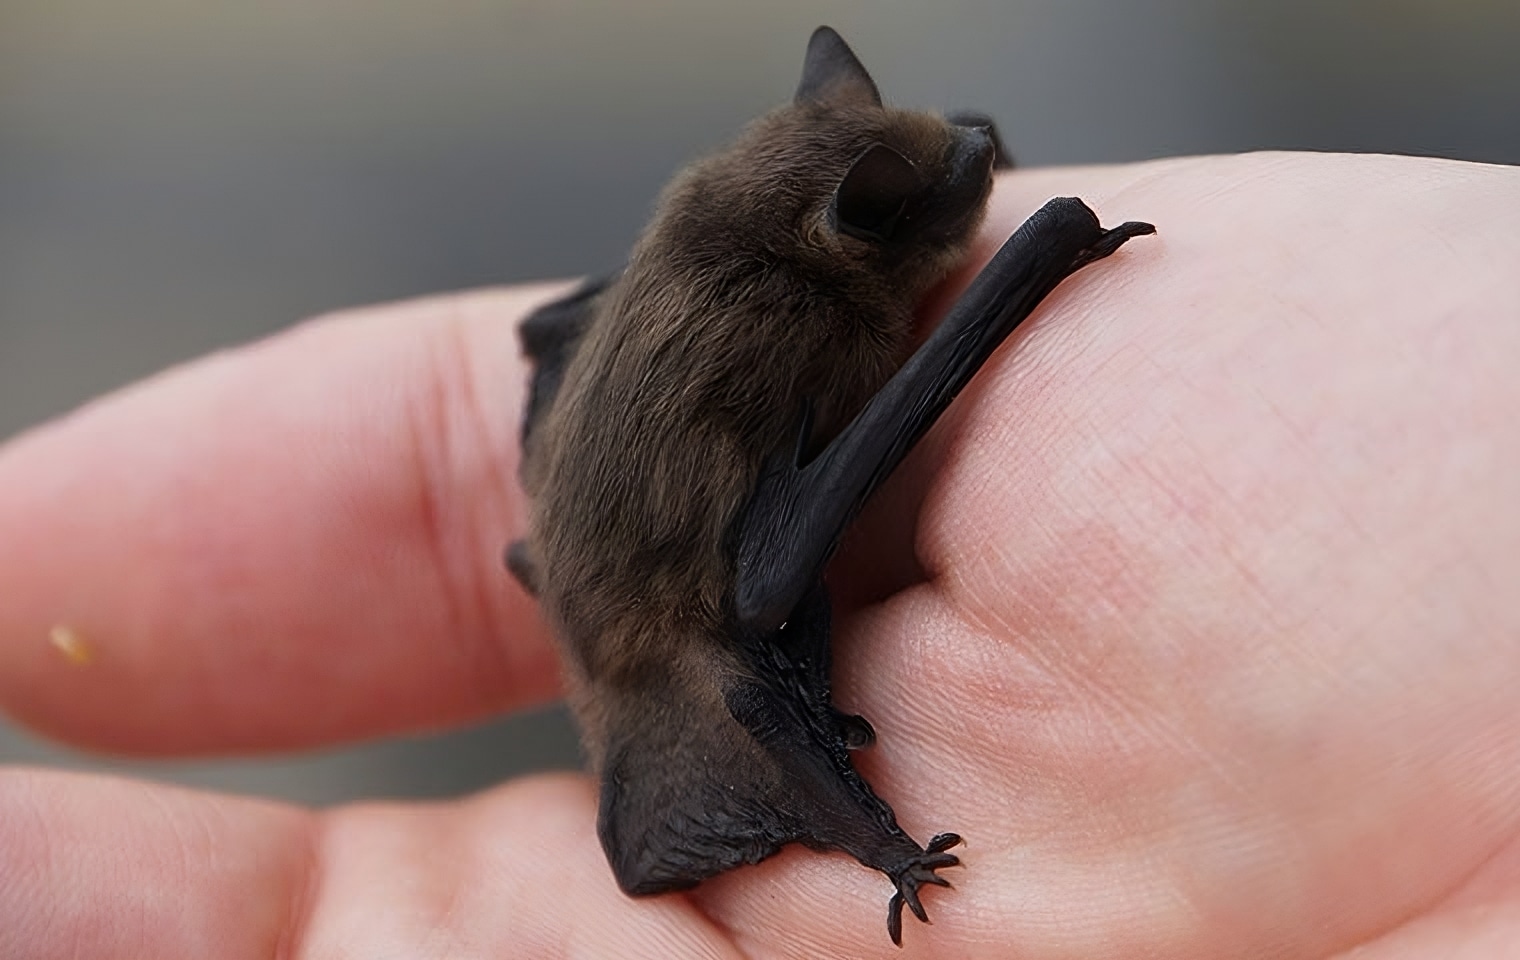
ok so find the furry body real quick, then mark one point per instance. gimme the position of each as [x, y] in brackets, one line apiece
[671, 480]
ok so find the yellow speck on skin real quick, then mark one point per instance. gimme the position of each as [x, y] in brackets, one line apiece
[70, 644]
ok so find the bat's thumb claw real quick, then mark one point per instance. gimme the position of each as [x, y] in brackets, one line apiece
[1112, 240]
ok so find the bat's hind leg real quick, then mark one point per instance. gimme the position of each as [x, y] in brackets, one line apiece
[831, 806]
[877, 841]
[915, 874]
[794, 720]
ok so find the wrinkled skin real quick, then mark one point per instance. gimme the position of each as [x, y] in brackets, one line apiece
[1196, 616]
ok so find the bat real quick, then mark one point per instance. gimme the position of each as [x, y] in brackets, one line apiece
[701, 428]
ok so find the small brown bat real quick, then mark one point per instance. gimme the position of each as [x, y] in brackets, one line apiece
[702, 427]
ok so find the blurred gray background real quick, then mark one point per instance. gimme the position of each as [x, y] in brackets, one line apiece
[176, 176]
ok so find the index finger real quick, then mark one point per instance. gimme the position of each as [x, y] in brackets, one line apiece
[291, 543]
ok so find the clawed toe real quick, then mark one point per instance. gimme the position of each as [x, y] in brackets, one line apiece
[894, 918]
[937, 861]
[914, 875]
[943, 842]
[910, 897]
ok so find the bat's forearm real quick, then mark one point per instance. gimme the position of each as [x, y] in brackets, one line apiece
[799, 512]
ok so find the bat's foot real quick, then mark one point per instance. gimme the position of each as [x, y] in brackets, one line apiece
[915, 874]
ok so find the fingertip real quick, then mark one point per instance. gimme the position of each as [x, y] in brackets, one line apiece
[293, 542]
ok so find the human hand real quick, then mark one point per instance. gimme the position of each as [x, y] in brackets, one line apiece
[1201, 634]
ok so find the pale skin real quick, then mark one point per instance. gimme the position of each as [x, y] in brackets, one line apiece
[1197, 616]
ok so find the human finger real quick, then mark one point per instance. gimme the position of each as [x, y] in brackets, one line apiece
[108, 868]
[290, 543]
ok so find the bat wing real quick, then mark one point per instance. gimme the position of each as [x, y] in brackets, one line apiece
[668, 822]
[697, 791]
[690, 791]
[550, 336]
[799, 511]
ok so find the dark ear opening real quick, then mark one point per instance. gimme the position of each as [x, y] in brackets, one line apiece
[872, 196]
[832, 75]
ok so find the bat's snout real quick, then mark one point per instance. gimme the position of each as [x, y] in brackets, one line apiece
[975, 153]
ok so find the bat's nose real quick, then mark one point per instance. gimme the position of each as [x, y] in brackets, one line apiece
[975, 152]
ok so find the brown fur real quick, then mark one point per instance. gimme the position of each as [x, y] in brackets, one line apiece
[778, 275]
[676, 543]
[738, 302]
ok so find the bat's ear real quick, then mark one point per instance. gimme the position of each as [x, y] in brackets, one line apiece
[873, 195]
[832, 75]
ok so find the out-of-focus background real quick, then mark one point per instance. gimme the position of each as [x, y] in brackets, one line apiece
[177, 176]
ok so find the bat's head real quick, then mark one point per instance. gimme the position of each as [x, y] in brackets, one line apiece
[896, 192]
[880, 201]
[904, 178]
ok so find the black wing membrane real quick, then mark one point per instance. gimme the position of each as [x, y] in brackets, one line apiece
[696, 793]
[549, 337]
[798, 512]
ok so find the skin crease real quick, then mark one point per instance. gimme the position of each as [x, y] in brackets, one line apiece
[1194, 615]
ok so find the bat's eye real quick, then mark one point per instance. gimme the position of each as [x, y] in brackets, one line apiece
[871, 198]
